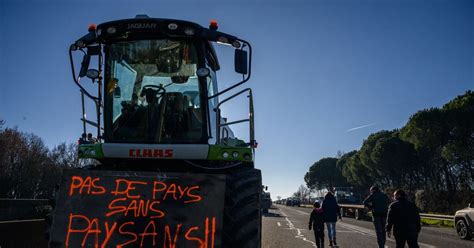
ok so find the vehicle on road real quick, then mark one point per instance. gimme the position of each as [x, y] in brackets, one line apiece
[350, 202]
[359, 212]
[293, 202]
[266, 202]
[158, 124]
[346, 195]
[463, 222]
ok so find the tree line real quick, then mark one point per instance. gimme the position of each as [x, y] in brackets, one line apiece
[28, 168]
[432, 157]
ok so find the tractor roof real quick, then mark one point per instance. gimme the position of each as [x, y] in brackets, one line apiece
[144, 27]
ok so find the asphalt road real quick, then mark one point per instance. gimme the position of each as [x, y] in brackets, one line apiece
[287, 227]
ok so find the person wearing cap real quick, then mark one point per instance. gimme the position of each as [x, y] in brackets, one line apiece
[404, 218]
[316, 222]
[377, 202]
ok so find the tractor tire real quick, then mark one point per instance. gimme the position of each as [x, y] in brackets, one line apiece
[463, 230]
[242, 225]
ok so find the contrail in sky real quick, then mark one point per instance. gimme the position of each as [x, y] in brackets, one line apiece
[364, 126]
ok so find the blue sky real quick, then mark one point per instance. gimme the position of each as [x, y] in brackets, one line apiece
[320, 68]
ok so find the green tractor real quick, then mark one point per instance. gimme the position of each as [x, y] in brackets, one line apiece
[158, 115]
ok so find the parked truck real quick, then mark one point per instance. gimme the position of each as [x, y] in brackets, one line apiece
[350, 202]
[266, 202]
[168, 168]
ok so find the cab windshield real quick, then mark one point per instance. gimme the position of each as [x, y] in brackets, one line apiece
[152, 93]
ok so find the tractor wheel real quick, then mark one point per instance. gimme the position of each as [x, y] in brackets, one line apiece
[463, 230]
[242, 213]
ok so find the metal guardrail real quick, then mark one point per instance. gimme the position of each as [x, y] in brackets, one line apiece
[422, 215]
[23, 209]
[352, 206]
[21, 221]
[23, 233]
[437, 217]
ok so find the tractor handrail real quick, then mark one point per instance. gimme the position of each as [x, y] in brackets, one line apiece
[96, 99]
[250, 119]
[245, 79]
[76, 80]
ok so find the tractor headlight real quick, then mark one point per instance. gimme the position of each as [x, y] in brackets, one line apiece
[111, 30]
[247, 156]
[225, 154]
[173, 26]
[236, 44]
[189, 31]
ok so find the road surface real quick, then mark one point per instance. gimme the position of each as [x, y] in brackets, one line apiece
[287, 227]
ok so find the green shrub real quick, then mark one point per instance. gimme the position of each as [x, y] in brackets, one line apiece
[442, 202]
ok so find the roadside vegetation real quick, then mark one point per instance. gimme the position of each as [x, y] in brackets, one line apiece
[441, 223]
[29, 169]
[431, 157]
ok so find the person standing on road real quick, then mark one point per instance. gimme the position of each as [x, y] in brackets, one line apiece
[377, 202]
[404, 217]
[316, 221]
[331, 212]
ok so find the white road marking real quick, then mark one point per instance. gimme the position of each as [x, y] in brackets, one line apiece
[352, 228]
[299, 235]
[357, 229]
[278, 223]
[371, 233]
[301, 212]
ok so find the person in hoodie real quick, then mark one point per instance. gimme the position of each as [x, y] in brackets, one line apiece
[316, 222]
[404, 218]
[377, 202]
[331, 212]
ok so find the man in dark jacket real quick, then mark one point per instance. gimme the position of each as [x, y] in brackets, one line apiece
[404, 217]
[316, 221]
[377, 202]
[331, 212]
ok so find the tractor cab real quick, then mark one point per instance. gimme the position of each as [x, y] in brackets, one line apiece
[157, 90]
[159, 132]
[153, 93]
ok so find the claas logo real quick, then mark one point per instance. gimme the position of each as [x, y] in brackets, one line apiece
[150, 153]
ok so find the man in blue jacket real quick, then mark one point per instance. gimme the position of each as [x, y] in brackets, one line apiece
[377, 202]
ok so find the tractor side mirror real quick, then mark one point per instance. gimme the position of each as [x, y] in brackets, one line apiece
[240, 61]
[117, 92]
[84, 65]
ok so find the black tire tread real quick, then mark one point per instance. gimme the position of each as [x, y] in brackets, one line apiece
[242, 213]
[469, 231]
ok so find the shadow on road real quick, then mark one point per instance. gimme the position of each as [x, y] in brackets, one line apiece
[270, 214]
